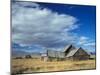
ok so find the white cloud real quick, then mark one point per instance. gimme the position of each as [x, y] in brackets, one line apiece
[33, 24]
[90, 44]
[86, 42]
[83, 40]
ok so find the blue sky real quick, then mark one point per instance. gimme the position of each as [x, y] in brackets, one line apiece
[40, 26]
[86, 15]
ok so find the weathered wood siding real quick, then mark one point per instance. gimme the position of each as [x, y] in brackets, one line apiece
[56, 54]
[81, 55]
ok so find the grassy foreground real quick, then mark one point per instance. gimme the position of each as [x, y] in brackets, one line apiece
[35, 65]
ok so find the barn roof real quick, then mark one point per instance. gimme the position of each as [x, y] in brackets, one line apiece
[72, 52]
[52, 53]
[67, 47]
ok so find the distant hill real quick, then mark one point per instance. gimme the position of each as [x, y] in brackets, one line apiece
[93, 53]
[23, 53]
[16, 53]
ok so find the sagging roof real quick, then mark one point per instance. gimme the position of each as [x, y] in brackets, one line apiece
[52, 53]
[68, 46]
[72, 52]
[68, 51]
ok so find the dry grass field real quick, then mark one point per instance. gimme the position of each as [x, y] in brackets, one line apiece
[36, 65]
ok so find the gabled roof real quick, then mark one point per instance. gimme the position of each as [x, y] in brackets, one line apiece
[67, 47]
[72, 52]
[52, 53]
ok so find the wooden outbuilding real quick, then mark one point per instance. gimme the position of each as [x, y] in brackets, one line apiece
[70, 52]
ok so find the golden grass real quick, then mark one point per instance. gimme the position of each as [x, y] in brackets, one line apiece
[34, 65]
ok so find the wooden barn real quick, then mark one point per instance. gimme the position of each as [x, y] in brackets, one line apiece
[73, 53]
[69, 53]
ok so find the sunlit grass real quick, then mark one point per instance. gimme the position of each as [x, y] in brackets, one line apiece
[34, 65]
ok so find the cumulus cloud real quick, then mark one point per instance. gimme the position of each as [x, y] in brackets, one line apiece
[83, 40]
[90, 44]
[32, 24]
[86, 42]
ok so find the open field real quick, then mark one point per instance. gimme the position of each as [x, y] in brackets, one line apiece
[35, 65]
